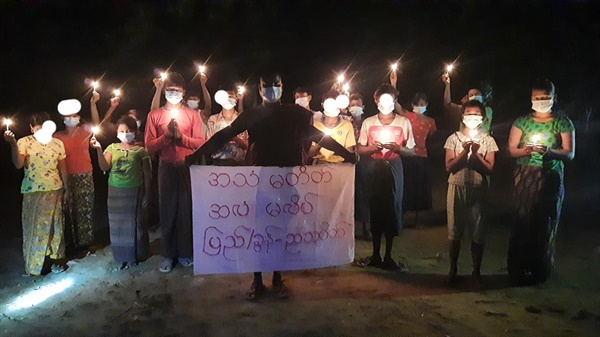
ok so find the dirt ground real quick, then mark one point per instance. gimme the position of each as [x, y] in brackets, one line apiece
[339, 301]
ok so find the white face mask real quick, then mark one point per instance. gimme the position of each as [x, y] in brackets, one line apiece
[477, 98]
[303, 102]
[193, 104]
[229, 104]
[174, 96]
[71, 121]
[472, 121]
[385, 109]
[543, 106]
[419, 109]
[126, 137]
[356, 111]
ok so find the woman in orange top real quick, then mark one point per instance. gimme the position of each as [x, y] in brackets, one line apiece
[79, 205]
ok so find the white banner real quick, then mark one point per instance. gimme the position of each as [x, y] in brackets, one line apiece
[249, 219]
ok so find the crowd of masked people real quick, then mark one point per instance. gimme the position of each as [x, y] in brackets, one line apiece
[389, 150]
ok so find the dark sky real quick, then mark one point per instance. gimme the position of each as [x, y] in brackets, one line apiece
[49, 48]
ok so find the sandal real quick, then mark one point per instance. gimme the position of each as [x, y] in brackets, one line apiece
[186, 262]
[57, 268]
[390, 264]
[166, 266]
[255, 292]
[369, 261]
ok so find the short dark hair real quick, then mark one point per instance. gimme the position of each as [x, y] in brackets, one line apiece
[175, 80]
[475, 104]
[39, 118]
[386, 88]
[301, 90]
[330, 94]
[228, 86]
[356, 96]
[129, 121]
[270, 78]
[419, 96]
[545, 85]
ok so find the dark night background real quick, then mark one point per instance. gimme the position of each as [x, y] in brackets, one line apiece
[49, 48]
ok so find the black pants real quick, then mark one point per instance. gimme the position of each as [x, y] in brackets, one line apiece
[175, 208]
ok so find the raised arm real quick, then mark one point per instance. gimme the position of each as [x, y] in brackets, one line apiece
[206, 110]
[158, 86]
[104, 159]
[331, 144]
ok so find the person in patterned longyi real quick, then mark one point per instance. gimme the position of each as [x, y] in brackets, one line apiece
[540, 141]
[417, 186]
[43, 188]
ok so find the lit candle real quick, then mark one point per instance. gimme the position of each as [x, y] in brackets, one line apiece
[340, 78]
[449, 68]
[117, 92]
[163, 76]
[202, 69]
[95, 130]
[394, 66]
[346, 87]
[535, 139]
[95, 85]
[385, 136]
[241, 90]
[174, 113]
[328, 131]
[473, 134]
[7, 122]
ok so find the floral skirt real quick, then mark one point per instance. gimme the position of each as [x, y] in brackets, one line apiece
[42, 219]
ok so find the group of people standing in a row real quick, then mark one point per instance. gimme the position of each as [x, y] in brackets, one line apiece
[391, 171]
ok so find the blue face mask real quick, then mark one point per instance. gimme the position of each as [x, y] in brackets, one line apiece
[271, 94]
[173, 96]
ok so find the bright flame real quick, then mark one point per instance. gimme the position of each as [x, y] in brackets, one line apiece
[163, 76]
[202, 69]
[95, 85]
[449, 68]
[473, 133]
[346, 87]
[174, 113]
[536, 138]
[394, 66]
[7, 122]
[385, 136]
[39, 295]
[117, 92]
[340, 78]
[328, 131]
[241, 90]
[95, 130]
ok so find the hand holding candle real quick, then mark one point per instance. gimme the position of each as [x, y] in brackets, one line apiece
[163, 76]
[202, 69]
[174, 114]
[95, 86]
[8, 123]
[117, 92]
[241, 90]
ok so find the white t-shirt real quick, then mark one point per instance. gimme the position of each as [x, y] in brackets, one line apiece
[399, 131]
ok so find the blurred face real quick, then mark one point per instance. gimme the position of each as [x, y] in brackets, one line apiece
[302, 95]
[421, 102]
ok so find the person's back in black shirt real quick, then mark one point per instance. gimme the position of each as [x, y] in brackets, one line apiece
[279, 135]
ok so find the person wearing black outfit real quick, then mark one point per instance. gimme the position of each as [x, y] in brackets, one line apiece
[279, 135]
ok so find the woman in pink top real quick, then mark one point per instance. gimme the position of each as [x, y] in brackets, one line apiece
[79, 205]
